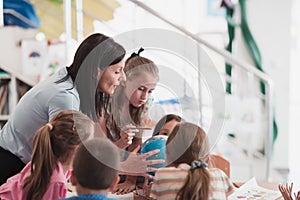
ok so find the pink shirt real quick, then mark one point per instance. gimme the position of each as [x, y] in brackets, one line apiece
[13, 188]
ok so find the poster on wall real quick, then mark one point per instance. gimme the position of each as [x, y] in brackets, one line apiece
[33, 57]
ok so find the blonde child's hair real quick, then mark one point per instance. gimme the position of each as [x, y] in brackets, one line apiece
[134, 67]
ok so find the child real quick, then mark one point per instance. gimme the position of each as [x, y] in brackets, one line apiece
[129, 102]
[187, 175]
[166, 124]
[95, 169]
[54, 145]
[129, 108]
[161, 131]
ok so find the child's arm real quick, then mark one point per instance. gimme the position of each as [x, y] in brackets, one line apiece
[130, 182]
[128, 138]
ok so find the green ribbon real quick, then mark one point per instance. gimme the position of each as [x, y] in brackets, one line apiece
[251, 46]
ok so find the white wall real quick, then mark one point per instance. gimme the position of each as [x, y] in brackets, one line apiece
[271, 26]
[276, 26]
[294, 104]
[270, 22]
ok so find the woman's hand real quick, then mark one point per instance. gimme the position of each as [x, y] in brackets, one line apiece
[137, 165]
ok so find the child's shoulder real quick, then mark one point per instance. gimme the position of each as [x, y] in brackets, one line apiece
[181, 167]
[171, 173]
[216, 171]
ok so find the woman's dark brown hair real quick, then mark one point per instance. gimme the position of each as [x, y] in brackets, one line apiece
[96, 52]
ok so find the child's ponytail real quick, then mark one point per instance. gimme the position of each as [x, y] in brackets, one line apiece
[197, 184]
[55, 143]
[42, 164]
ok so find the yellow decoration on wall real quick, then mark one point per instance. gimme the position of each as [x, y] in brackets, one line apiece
[52, 17]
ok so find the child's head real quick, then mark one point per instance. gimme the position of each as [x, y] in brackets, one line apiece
[142, 75]
[166, 124]
[56, 142]
[96, 165]
[188, 143]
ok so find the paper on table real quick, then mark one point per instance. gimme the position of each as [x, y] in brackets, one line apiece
[251, 190]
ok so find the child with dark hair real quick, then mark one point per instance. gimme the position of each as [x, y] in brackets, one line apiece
[161, 131]
[95, 169]
[54, 146]
[187, 175]
[166, 124]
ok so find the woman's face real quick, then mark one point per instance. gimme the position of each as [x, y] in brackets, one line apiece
[139, 89]
[111, 77]
[168, 127]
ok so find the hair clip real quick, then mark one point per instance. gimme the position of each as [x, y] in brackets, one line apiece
[227, 4]
[50, 126]
[198, 164]
[136, 54]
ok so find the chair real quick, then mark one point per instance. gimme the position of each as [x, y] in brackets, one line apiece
[219, 162]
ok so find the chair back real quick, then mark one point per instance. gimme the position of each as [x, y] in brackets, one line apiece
[219, 162]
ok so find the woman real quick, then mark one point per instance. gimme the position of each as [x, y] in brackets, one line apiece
[85, 85]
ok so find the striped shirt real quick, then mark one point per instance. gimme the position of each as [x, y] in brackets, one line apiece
[168, 181]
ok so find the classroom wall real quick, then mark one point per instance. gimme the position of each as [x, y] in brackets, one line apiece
[294, 104]
[271, 25]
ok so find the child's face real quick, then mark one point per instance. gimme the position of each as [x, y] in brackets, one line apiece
[168, 128]
[139, 89]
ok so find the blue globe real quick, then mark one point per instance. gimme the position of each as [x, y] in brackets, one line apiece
[155, 142]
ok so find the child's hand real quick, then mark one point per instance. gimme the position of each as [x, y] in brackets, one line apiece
[127, 133]
[287, 192]
[124, 188]
[147, 189]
